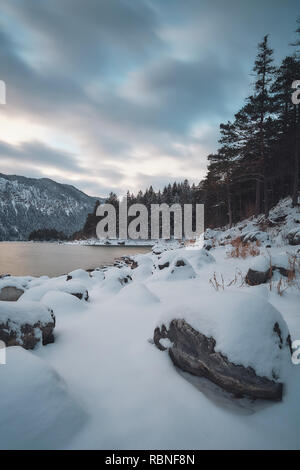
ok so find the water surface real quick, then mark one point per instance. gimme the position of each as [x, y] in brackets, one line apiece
[52, 259]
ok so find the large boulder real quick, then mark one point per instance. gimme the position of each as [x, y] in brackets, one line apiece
[195, 353]
[26, 324]
[243, 350]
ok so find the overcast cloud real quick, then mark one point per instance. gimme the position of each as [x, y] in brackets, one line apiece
[119, 94]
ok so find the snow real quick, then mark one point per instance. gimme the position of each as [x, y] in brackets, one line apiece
[37, 409]
[137, 294]
[280, 260]
[27, 203]
[104, 385]
[260, 263]
[62, 303]
[19, 313]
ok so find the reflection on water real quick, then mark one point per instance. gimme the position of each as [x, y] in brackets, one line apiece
[51, 259]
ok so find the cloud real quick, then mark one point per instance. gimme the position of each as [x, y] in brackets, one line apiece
[121, 93]
[35, 152]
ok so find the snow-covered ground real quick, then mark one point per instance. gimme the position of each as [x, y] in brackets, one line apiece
[103, 384]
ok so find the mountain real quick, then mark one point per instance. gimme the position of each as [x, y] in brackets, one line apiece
[28, 204]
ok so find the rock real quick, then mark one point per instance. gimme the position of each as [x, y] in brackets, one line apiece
[125, 280]
[279, 219]
[254, 278]
[179, 263]
[163, 266]
[134, 265]
[26, 324]
[294, 236]
[10, 293]
[125, 261]
[195, 353]
[80, 295]
[157, 252]
[208, 245]
[2, 276]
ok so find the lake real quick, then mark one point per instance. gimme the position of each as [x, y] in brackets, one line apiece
[52, 259]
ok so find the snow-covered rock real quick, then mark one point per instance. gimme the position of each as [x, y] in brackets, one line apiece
[235, 328]
[262, 267]
[62, 303]
[36, 409]
[293, 236]
[260, 270]
[97, 275]
[26, 324]
[180, 269]
[74, 287]
[79, 274]
[281, 227]
[138, 294]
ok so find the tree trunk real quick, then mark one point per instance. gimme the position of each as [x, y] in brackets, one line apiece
[266, 197]
[229, 206]
[257, 198]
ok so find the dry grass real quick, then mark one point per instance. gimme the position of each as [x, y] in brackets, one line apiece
[219, 283]
[290, 280]
[280, 287]
[243, 249]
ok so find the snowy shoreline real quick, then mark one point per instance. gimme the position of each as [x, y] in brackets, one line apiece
[110, 242]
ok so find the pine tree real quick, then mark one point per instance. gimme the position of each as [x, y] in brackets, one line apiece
[262, 107]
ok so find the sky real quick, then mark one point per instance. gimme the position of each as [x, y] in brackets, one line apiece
[110, 95]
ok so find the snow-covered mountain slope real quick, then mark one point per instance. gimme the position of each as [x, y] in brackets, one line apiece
[281, 227]
[27, 204]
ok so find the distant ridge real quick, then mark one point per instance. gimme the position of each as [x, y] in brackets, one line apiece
[28, 204]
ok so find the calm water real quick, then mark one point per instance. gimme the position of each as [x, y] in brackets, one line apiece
[51, 259]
